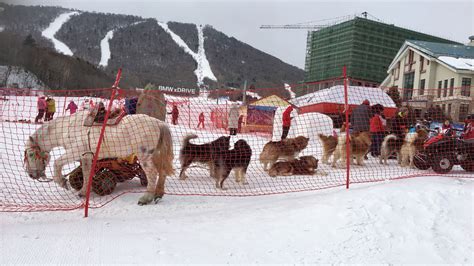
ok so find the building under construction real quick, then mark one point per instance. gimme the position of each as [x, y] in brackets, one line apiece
[365, 46]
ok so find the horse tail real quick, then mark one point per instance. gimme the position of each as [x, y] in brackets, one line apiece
[163, 155]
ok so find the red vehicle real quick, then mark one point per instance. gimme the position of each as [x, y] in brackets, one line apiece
[445, 150]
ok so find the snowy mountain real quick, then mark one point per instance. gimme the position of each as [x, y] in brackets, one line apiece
[13, 76]
[167, 53]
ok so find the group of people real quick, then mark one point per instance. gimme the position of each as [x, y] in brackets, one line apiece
[371, 118]
[46, 109]
[235, 120]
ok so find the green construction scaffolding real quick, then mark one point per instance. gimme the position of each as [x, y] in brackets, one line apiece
[365, 46]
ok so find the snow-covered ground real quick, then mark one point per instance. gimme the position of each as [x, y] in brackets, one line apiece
[203, 69]
[288, 88]
[424, 220]
[54, 27]
[253, 94]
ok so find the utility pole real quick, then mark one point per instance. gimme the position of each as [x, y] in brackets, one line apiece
[244, 97]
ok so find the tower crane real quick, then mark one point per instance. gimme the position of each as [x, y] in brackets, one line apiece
[312, 27]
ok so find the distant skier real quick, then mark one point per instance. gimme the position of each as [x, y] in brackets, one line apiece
[41, 109]
[50, 109]
[72, 107]
[174, 115]
[201, 120]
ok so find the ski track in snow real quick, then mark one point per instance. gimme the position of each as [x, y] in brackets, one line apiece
[203, 69]
[105, 48]
[105, 52]
[54, 27]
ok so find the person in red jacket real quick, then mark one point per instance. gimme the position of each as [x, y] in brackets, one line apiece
[286, 120]
[469, 127]
[174, 115]
[201, 120]
[377, 130]
[72, 107]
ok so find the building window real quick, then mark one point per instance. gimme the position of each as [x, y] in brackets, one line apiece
[408, 80]
[466, 87]
[440, 83]
[448, 113]
[422, 87]
[463, 111]
[451, 87]
[422, 64]
[397, 71]
[411, 54]
[445, 91]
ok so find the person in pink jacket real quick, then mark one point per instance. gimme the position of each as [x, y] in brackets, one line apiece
[41, 108]
[72, 107]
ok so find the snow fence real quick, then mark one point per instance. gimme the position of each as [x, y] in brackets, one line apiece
[319, 114]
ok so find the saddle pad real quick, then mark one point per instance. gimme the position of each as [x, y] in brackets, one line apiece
[114, 119]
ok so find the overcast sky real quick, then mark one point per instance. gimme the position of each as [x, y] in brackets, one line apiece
[241, 19]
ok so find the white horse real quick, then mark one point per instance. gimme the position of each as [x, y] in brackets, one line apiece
[147, 137]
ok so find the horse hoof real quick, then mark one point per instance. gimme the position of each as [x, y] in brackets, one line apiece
[157, 199]
[145, 199]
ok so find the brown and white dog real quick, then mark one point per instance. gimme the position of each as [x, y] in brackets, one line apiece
[305, 165]
[329, 144]
[408, 150]
[405, 149]
[359, 146]
[206, 153]
[391, 145]
[287, 149]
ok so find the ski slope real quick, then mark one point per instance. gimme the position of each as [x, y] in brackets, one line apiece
[54, 27]
[203, 69]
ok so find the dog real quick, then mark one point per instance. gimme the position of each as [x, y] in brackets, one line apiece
[206, 153]
[237, 159]
[287, 149]
[359, 145]
[305, 165]
[413, 142]
[329, 144]
[393, 145]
